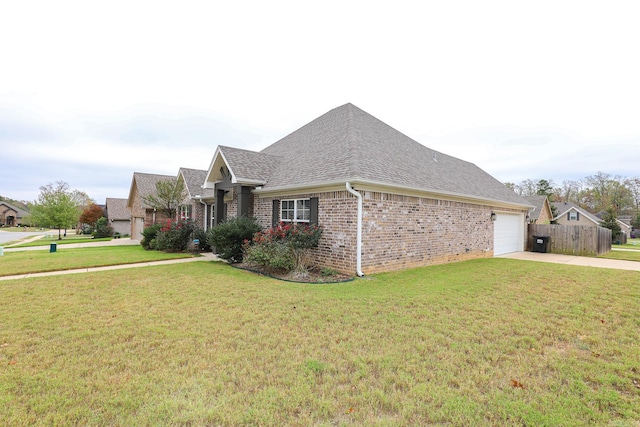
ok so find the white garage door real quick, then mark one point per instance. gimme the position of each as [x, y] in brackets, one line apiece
[508, 233]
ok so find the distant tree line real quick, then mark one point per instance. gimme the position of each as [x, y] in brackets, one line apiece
[601, 192]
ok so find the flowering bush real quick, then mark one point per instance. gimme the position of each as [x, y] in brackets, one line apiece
[283, 248]
[175, 236]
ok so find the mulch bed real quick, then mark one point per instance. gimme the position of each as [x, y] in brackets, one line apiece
[314, 275]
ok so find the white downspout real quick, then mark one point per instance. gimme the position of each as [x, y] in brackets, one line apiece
[358, 231]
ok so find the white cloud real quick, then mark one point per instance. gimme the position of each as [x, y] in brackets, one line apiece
[545, 88]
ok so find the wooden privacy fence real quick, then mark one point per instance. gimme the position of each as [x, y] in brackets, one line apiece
[571, 239]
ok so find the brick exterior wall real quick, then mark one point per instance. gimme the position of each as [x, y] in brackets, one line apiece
[404, 231]
[398, 231]
[337, 215]
[545, 216]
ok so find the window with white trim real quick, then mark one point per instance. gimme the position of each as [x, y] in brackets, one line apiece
[185, 212]
[573, 216]
[296, 210]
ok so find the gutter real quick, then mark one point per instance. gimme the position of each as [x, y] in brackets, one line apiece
[358, 230]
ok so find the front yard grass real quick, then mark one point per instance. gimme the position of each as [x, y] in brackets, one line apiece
[484, 342]
[623, 255]
[67, 259]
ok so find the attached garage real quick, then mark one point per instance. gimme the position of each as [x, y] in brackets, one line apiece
[508, 233]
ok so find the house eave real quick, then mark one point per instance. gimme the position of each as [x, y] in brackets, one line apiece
[364, 184]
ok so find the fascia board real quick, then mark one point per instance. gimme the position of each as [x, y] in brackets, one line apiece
[383, 187]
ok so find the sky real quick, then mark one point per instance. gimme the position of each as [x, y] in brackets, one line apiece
[91, 92]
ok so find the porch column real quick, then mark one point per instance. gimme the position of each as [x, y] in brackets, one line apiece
[244, 196]
[219, 208]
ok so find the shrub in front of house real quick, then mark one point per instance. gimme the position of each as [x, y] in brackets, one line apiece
[103, 229]
[201, 235]
[228, 237]
[175, 236]
[283, 248]
[149, 236]
[272, 256]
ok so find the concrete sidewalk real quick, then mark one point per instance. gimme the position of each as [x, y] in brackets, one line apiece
[574, 260]
[205, 257]
[46, 246]
[115, 242]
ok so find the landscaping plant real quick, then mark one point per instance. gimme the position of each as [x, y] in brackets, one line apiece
[228, 237]
[149, 236]
[175, 236]
[283, 248]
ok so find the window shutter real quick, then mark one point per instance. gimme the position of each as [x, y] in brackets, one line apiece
[568, 216]
[275, 213]
[313, 211]
[577, 216]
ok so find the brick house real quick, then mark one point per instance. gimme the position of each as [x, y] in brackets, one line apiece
[143, 215]
[383, 200]
[197, 205]
[119, 215]
[541, 211]
[11, 216]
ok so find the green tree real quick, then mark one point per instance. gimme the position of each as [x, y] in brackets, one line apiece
[635, 222]
[610, 221]
[103, 229]
[169, 196]
[544, 188]
[55, 207]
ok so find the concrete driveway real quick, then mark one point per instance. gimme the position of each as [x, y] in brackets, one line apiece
[574, 260]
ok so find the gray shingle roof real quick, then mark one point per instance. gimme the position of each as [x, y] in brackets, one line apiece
[538, 202]
[348, 144]
[563, 207]
[146, 184]
[250, 166]
[117, 209]
[194, 179]
[20, 213]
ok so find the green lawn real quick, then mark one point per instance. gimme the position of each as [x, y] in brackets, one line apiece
[485, 342]
[67, 259]
[631, 244]
[623, 255]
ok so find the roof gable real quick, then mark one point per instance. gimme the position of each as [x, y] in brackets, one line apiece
[20, 213]
[117, 209]
[145, 183]
[193, 180]
[245, 166]
[348, 144]
[539, 203]
[564, 207]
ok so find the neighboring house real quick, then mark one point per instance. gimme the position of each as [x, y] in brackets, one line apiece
[119, 215]
[571, 214]
[383, 200]
[623, 221]
[11, 216]
[198, 205]
[143, 215]
[541, 212]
